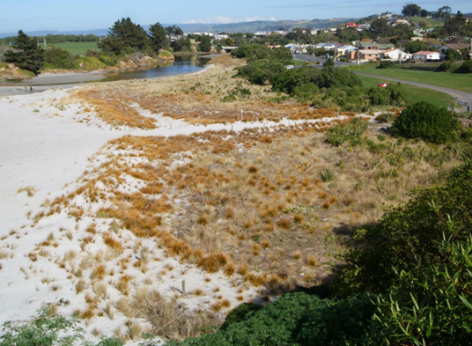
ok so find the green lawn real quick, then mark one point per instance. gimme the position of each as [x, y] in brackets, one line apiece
[76, 47]
[443, 79]
[417, 94]
[431, 22]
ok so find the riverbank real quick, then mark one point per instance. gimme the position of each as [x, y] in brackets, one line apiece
[66, 81]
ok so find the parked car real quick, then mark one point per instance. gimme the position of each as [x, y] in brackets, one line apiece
[289, 67]
[383, 85]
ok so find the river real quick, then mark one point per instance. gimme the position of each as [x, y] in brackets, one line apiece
[182, 65]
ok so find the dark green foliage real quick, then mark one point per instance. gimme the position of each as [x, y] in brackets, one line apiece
[260, 72]
[431, 306]
[379, 96]
[282, 54]
[158, 37]
[386, 117]
[445, 66]
[59, 58]
[398, 95]
[415, 46]
[386, 64]
[41, 331]
[252, 52]
[27, 54]
[349, 131]
[329, 63]
[297, 319]
[124, 36]
[240, 313]
[409, 237]
[205, 43]
[426, 121]
[182, 45]
[411, 10]
[306, 91]
[466, 67]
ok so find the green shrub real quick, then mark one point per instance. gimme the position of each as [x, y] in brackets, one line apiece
[58, 58]
[379, 96]
[426, 121]
[409, 238]
[386, 64]
[326, 175]
[240, 313]
[445, 66]
[349, 131]
[466, 67]
[297, 319]
[386, 117]
[398, 95]
[41, 331]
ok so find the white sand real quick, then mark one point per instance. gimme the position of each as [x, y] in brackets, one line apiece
[42, 145]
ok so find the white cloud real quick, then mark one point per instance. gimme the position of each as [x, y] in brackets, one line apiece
[224, 20]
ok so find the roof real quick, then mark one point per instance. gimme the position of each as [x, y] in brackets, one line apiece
[425, 52]
[390, 50]
[458, 46]
[370, 51]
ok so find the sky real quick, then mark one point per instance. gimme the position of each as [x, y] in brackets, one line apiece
[68, 15]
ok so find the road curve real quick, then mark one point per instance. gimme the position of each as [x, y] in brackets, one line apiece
[461, 96]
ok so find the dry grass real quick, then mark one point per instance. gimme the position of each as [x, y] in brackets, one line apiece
[30, 190]
[174, 321]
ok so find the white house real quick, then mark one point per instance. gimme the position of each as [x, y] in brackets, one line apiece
[221, 37]
[394, 54]
[426, 55]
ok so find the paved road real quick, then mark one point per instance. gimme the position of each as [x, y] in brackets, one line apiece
[461, 96]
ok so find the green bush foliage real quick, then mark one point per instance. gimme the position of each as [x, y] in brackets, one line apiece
[386, 64]
[27, 54]
[350, 131]
[466, 67]
[240, 313]
[296, 319]
[426, 121]
[445, 66]
[41, 331]
[409, 237]
[58, 58]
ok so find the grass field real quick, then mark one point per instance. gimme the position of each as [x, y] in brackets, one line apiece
[443, 79]
[431, 22]
[417, 94]
[76, 47]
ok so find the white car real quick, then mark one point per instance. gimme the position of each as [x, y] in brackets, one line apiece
[289, 67]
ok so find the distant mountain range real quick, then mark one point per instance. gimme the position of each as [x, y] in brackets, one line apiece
[213, 28]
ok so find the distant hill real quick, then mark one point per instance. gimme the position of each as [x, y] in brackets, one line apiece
[214, 28]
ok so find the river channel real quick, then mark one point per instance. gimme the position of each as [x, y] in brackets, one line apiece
[181, 65]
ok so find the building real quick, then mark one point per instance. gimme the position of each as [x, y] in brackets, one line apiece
[426, 55]
[455, 46]
[394, 54]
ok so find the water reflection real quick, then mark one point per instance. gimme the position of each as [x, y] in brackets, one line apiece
[182, 65]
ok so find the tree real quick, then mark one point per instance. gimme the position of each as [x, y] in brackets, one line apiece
[411, 10]
[444, 12]
[380, 26]
[125, 35]
[27, 55]
[205, 43]
[424, 13]
[174, 30]
[415, 46]
[455, 25]
[426, 121]
[158, 37]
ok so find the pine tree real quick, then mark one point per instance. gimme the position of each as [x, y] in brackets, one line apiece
[123, 35]
[158, 37]
[27, 54]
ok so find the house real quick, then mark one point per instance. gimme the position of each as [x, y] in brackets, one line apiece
[327, 46]
[369, 54]
[261, 34]
[455, 46]
[221, 37]
[343, 51]
[351, 25]
[426, 55]
[394, 54]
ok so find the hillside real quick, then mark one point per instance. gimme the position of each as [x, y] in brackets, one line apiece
[215, 28]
